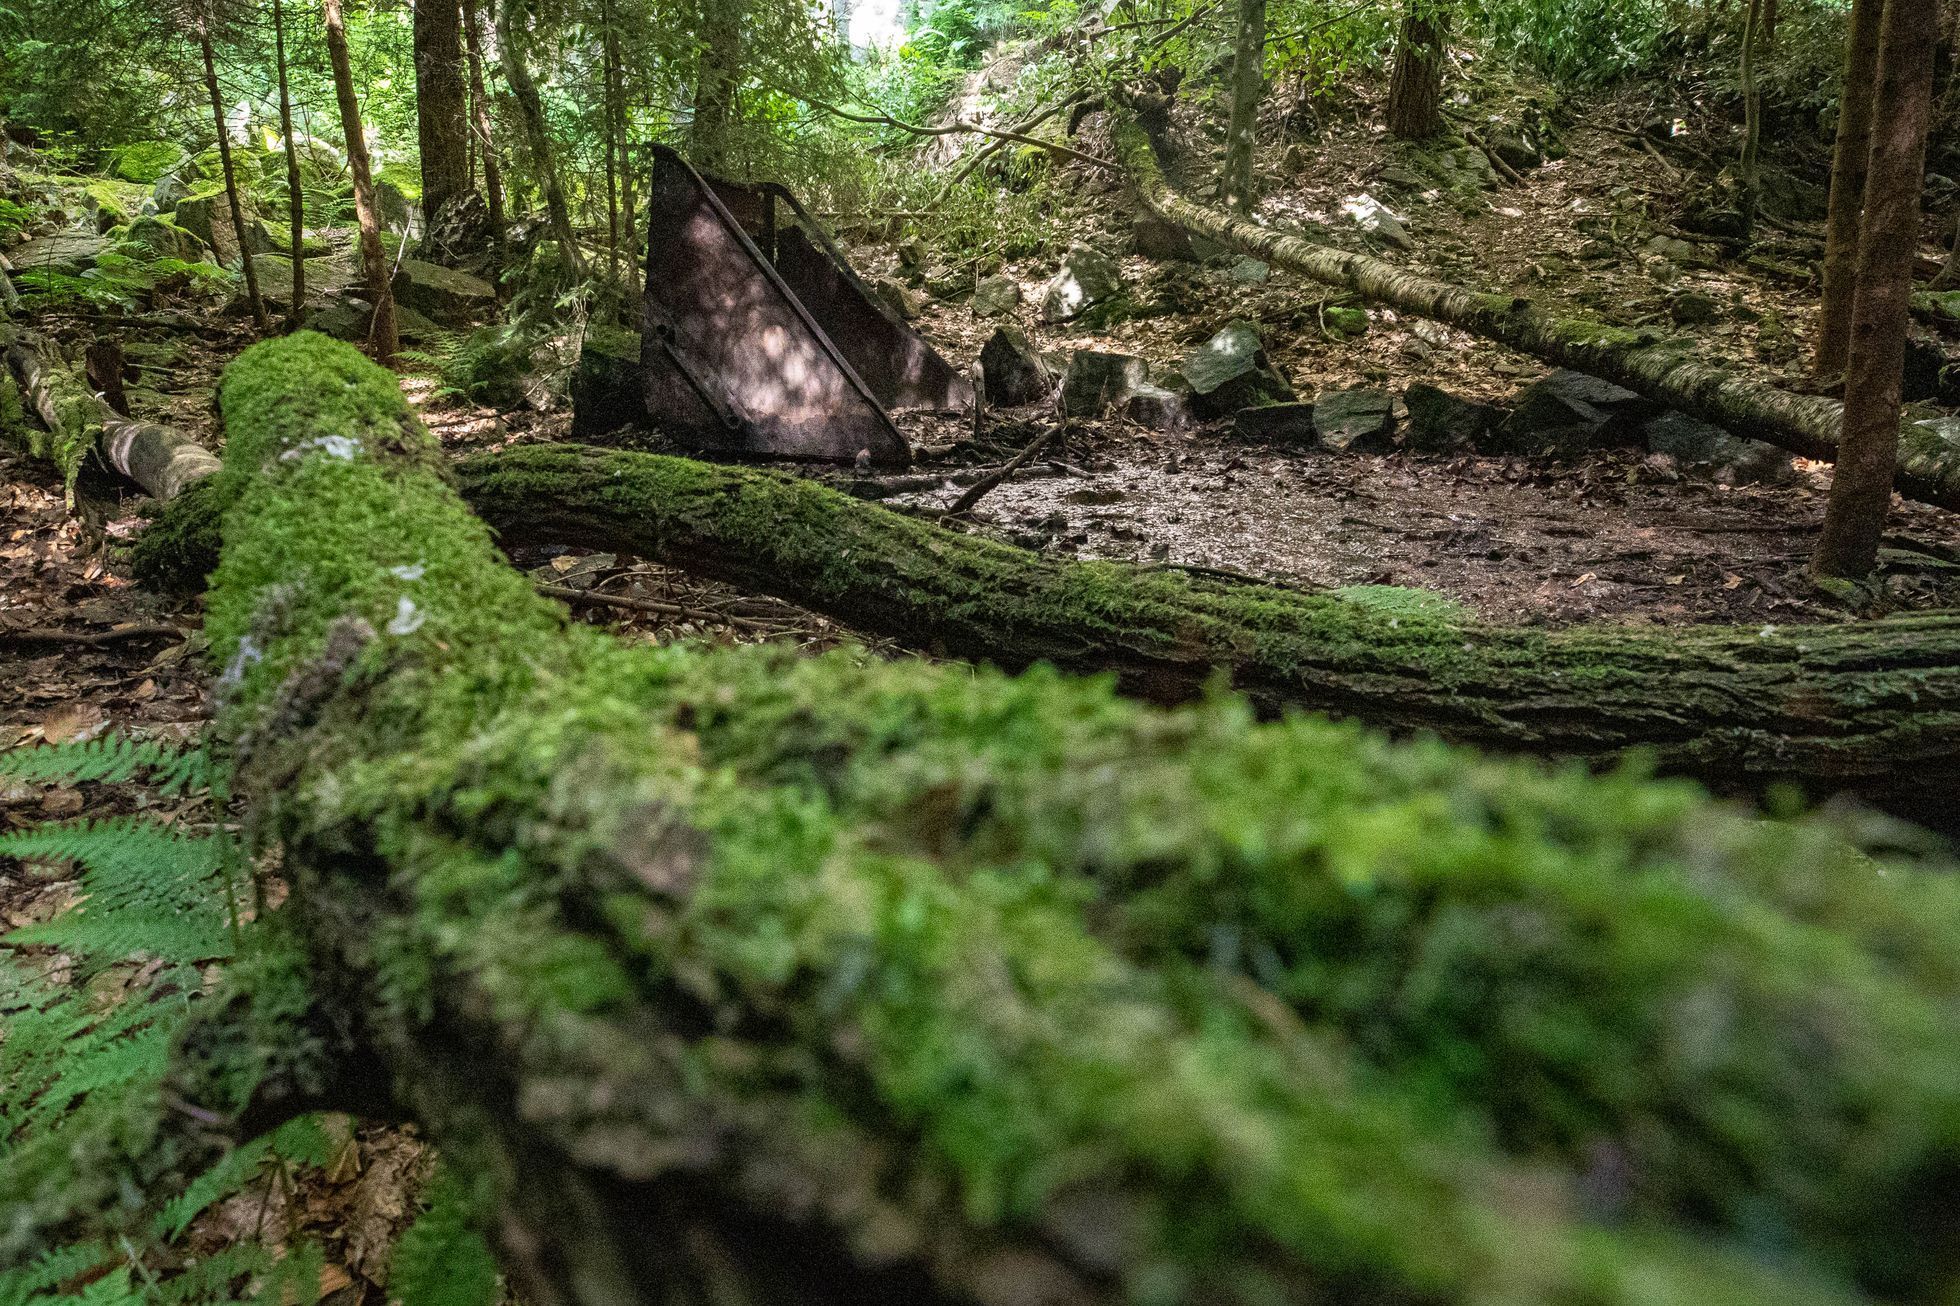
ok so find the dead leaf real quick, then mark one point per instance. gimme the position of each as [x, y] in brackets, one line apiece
[1586, 579]
[77, 723]
[62, 803]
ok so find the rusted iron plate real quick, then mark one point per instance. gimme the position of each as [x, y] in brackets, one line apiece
[733, 360]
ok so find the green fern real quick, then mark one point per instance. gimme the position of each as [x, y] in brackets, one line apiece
[112, 759]
[31, 1283]
[442, 1260]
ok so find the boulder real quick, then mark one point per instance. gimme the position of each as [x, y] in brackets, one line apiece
[460, 234]
[1013, 371]
[1375, 218]
[1440, 422]
[69, 253]
[164, 239]
[348, 319]
[1728, 458]
[608, 386]
[1571, 412]
[897, 297]
[208, 217]
[1097, 384]
[1251, 272]
[448, 296]
[996, 297]
[392, 205]
[1278, 423]
[1345, 321]
[1355, 421]
[1512, 146]
[1693, 308]
[1087, 277]
[324, 278]
[1156, 408]
[169, 190]
[1231, 371]
[1928, 371]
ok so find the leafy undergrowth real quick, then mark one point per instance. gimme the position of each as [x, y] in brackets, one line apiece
[96, 998]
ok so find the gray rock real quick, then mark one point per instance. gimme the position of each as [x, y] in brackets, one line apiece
[208, 217]
[1692, 308]
[169, 190]
[69, 253]
[1440, 422]
[1730, 459]
[349, 318]
[1373, 217]
[608, 387]
[1087, 278]
[1927, 371]
[1097, 383]
[392, 205]
[1674, 249]
[164, 238]
[1279, 423]
[1014, 371]
[1231, 371]
[324, 278]
[1355, 421]
[896, 296]
[1250, 272]
[1572, 412]
[1346, 321]
[996, 297]
[1156, 408]
[450, 297]
[1510, 145]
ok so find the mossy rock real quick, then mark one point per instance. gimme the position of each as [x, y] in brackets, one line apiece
[161, 238]
[145, 162]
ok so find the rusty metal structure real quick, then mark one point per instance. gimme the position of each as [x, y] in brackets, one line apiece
[759, 337]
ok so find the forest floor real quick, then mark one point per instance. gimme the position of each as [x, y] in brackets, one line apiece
[1618, 535]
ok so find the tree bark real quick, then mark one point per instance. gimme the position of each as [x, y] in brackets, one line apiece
[383, 335]
[237, 207]
[1415, 95]
[1873, 707]
[1673, 371]
[717, 83]
[1248, 88]
[530, 106]
[295, 188]
[1849, 163]
[493, 172]
[867, 982]
[1752, 114]
[160, 460]
[441, 108]
[609, 42]
[1888, 248]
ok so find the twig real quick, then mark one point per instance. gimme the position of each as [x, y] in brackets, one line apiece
[954, 128]
[994, 147]
[115, 635]
[981, 489]
[588, 598]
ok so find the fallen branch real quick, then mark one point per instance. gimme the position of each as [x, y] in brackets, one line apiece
[988, 484]
[114, 635]
[1872, 707]
[590, 599]
[955, 128]
[160, 460]
[1672, 371]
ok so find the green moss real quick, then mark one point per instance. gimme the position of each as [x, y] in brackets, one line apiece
[13, 416]
[144, 162]
[1283, 994]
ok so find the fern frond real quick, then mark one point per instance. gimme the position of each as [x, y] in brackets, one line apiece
[27, 1283]
[238, 1168]
[110, 759]
[442, 1260]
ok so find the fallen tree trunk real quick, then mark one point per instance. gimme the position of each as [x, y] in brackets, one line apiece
[1673, 371]
[1873, 707]
[889, 982]
[160, 460]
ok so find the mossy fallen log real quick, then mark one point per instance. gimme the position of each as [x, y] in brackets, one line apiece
[730, 975]
[1873, 706]
[75, 421]
[1670, 370]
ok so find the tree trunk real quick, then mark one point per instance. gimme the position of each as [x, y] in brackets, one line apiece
[1415, 95]
[609, 40]
[237, 207]
[295, 187]
[1672, 371]
[864, 982]
[161, 461]
[441, 109]
[1873, 707]
[493, 172]
[717, 83]
[530, 106]
[1847, 205]
[1752, 114]
[1248, 88]
[1888, 248]
[383, 335]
